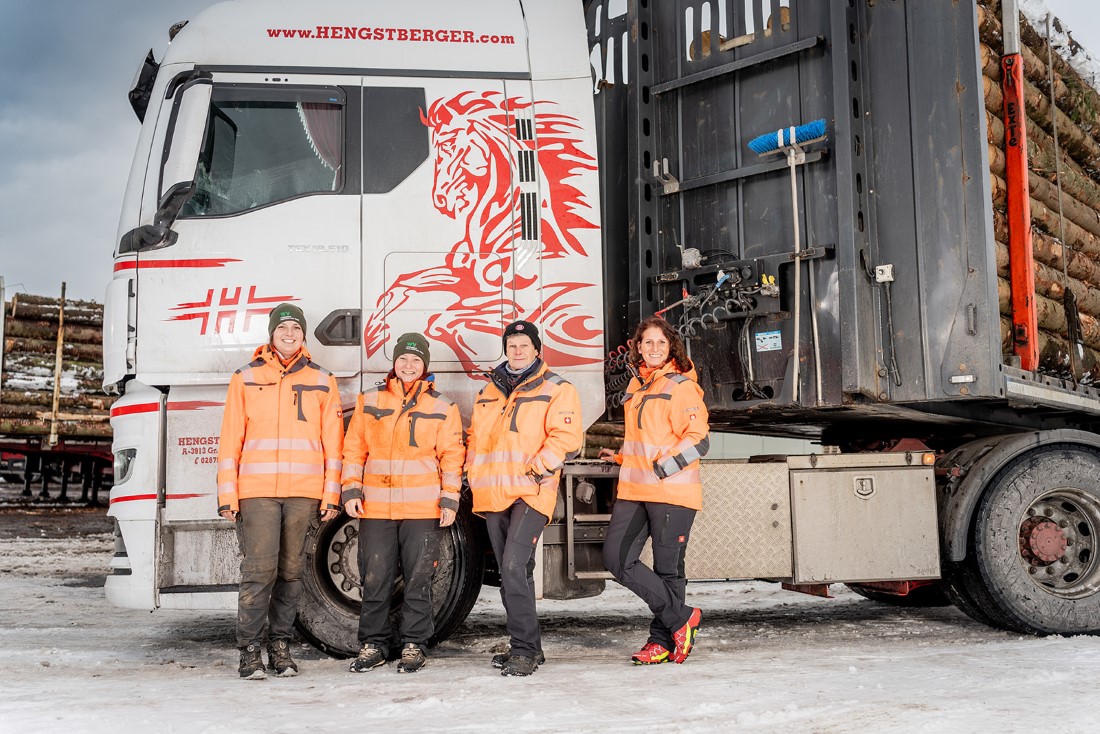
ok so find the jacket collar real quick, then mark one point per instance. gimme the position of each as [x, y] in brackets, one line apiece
[668, 369]
[503, 379]
[395, 386]
[271, 358]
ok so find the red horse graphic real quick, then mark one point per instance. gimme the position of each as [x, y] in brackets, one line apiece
[476, 182]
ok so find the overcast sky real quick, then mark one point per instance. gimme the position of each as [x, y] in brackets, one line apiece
[67, 132]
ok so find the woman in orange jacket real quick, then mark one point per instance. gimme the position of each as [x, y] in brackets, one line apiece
[659, 490]
[402, 476]
[526, 423]
[278, 466]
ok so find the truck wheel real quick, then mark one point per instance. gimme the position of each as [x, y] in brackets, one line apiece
[929, 595]
[1035, 540]
[328, 614]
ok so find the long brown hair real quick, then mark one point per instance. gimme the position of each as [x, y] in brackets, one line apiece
[677, 352]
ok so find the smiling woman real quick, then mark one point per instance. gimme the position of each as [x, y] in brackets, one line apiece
[278, 468]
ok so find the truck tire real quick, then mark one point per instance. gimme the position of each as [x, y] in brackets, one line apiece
[963, 589]
[1034, 543]
[328, 614]
[929, 595]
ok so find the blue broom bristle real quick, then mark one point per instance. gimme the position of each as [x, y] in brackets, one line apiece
[781, 138]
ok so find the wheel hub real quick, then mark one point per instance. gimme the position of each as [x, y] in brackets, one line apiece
[1057, 538]
[342, 561]
[1042, 540]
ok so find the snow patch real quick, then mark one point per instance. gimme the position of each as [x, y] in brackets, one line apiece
[1061, 40]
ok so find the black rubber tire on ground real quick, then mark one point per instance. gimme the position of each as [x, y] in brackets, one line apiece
[962, 589]
[929, 595]
[1056, 484]
[328, 614]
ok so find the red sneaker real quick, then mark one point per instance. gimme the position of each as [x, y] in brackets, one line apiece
[651, 654]
[685, 636]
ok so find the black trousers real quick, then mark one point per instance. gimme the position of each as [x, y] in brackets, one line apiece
[514, 533]
[271, 532]
[663, 587]
[382, 545]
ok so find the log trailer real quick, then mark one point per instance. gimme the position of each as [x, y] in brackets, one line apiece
[890, 287]
[54, 420]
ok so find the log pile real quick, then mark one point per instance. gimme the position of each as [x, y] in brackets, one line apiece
[1067, 244]
[30, 329]
[602, 436]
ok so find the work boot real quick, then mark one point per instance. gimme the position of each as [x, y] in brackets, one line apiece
[252, 663]
[371, 656]
[651, 654]
[684, 638]
[278, 657]
[501, 658]
[412, 658]
[519, 665]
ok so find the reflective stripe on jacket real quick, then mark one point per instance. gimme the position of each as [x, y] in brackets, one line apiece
[403, 453]
[666, 434]
[533, 430]
[282, 432]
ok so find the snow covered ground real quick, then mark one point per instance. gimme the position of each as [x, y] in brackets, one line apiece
[767, 660]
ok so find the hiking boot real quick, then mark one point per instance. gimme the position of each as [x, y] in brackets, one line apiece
[501, 658]
[412, 658]
[684, 638]
[519, 665]
[278, 657]
[371, 656]
[252, 663]
[652, 654]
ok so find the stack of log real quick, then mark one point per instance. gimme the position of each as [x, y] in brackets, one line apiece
[1062, 261]
[602, 436]
[29, 367]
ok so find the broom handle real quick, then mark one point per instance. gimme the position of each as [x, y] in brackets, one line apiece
[792, 153]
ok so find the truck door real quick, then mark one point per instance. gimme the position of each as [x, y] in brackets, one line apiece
[446, 251]
[272, 215]
[269, 213]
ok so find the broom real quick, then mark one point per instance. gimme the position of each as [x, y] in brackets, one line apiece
[789, 141]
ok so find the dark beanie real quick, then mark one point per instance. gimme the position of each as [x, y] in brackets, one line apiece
[284, 312]
[525, 328]
[413, 343]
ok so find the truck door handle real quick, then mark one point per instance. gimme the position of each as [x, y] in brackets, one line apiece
[341, 328]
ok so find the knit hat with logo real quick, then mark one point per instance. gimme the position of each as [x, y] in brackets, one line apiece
[284, 312]
[413, 343]
[525, 328]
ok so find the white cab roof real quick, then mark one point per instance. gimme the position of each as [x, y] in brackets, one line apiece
[433, 37]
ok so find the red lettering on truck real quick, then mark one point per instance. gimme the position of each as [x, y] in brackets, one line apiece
[408, 35]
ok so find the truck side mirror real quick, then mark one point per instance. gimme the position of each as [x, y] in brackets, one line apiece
[159, 233]
[142, 88]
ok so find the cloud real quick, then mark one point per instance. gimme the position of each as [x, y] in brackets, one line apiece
[67, 133]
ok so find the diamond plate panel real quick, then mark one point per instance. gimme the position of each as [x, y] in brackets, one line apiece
[744, 529]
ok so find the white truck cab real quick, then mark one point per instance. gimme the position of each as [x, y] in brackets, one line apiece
[388, 167]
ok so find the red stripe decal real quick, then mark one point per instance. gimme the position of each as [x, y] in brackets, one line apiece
[194, 404]
[139, 408]
[134, 497]
[215, 262]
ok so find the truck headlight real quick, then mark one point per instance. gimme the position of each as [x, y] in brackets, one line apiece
[124, 465]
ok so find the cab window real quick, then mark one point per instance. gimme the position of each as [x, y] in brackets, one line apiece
[265, 145]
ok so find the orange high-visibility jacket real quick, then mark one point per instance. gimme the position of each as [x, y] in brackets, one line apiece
[282, 432]
[531, 431]
[403, 453]
[667, 430]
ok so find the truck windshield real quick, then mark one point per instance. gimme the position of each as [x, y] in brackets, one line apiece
[267, 145]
